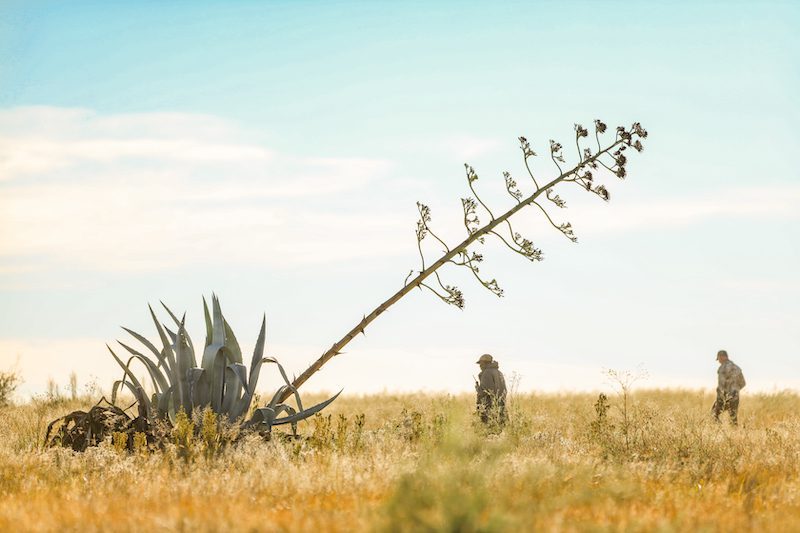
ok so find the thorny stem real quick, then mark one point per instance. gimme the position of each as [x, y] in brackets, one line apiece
[337, 347]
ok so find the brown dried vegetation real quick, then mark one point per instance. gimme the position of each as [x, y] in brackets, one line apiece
[419, 463]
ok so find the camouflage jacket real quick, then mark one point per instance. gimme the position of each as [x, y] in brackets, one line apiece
[729, 378]
[491, 384]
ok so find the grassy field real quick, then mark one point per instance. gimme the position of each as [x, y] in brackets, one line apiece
[420, 463]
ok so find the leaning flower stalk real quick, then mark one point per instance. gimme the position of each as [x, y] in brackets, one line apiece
[610, 158]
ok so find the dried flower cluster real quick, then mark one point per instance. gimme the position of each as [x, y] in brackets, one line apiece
[612, 159]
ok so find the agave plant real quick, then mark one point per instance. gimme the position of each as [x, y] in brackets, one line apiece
[221, 382]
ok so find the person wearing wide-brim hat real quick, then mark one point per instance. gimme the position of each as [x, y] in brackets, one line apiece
[491, 391]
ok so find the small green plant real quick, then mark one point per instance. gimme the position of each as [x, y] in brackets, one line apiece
[322, 432]
[120, 441]
[139, 443]
[358, 432]
[340, 437]
[209, 432]
[183, 435]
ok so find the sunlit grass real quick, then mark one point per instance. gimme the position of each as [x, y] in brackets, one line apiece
[415, 463]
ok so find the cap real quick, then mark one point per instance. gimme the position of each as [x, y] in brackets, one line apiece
[485, 358]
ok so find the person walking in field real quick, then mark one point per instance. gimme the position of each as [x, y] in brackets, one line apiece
[730, 381]
[491, 391]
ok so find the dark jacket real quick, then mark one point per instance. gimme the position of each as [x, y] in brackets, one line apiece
[491, 384]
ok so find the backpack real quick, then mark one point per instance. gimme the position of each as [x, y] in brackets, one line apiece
[738, 377]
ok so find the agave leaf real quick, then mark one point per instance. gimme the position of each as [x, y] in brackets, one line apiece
[283, 408]
[159, 382]
[172, 335]
[178, 323]
[242, 402]
[195, 374]
[289, 410]
[171, 314]
[242, 406]
[202, 390]
[218, 325]
[255, 369]
[288, 384]
[138, 394]
[114, 389]
[262, 415]
[193, 360]
[233, 390]
[164, 401]
[258, 354]
[207, 316]
[241, 373]
[167, 348]
[162, 361]
[235, 353]
[276, 397]
[214, 365]
[302, 415]
[172, 410]
[185, 357]
[126, 368]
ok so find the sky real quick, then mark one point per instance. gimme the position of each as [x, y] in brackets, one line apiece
[273, 153]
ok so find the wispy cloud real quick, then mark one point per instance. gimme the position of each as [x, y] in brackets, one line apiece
[644, 214]
[468, 147]
[158, 190]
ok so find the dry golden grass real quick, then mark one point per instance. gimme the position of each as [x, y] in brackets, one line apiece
[418, 463]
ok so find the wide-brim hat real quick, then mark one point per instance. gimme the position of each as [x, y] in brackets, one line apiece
[485, 358]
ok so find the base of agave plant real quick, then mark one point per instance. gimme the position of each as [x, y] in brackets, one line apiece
[80, 430]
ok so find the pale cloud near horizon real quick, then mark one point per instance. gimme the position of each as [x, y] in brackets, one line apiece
[145, 191]
[447, 369]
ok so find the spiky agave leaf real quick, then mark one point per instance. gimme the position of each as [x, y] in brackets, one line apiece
[169, 355]
[138, 394]
[262, 415]
[302, 415]
[268, 415]
[243, 405]
[135, 386]
[160, 383]
[288, 385]
[207, 317]
[235, 382]
[178, 324]
[185, 358]
[214, 361]
[234, 352]
[166, 404]
[162, 360]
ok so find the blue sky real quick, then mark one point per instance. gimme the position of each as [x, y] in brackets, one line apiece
[274, 152]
